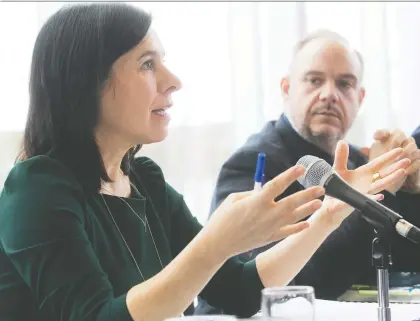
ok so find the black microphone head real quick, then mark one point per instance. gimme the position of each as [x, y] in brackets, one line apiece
[317, 171]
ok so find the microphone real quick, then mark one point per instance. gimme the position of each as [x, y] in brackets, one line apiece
[320, 173]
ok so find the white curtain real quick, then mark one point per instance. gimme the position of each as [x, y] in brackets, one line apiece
[230, 57]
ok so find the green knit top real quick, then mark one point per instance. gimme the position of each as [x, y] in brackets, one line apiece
[62, 257]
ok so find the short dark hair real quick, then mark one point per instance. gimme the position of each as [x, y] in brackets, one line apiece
[71, 63]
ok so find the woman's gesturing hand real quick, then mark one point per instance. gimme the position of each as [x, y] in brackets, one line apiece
[249, 220]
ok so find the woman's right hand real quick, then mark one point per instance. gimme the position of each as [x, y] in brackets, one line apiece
[248, 220]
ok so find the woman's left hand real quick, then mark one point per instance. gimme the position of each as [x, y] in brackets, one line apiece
[334, 211]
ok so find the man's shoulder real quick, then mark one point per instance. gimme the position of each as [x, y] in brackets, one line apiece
[267, 141]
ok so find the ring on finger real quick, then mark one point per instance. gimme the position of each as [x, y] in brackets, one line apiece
[376, 176]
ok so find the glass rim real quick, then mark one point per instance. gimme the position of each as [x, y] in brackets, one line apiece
[295, 289]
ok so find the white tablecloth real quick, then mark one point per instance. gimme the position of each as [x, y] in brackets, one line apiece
[349, 311]
[346, 311]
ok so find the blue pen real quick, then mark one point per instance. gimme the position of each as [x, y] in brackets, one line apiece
[259, 172]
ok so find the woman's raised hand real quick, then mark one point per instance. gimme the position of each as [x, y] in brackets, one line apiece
[249, 220]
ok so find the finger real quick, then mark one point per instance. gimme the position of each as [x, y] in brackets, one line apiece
[300, 198]
[397, 139]
[409, 141]
[386, 182]
[365, 151]
[276, 186]
[410, 149]
[386, 159]
[414, 167]
[382, 134]
[376, 197]
[290, 230]
[401, 164]
[340, 206]
[341, 156]
[415, 155]
[305, 210]
[337, 207]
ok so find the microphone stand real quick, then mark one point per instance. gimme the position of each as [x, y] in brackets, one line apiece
[381, 259]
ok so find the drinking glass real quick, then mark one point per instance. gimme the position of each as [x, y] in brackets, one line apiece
[290, 303]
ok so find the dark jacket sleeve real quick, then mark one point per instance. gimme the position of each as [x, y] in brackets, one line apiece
[42, 229]
[408, 204]
[406, 255]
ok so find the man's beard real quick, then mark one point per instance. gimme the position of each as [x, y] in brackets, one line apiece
[324, 141]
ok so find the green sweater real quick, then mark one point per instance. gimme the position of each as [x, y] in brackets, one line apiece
[62, 258]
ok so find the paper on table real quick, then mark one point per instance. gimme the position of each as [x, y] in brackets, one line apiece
[346, 311]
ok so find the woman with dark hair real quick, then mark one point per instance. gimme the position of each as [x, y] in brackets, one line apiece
[88, 232]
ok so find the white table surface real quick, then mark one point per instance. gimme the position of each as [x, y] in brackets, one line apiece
[349, 311]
